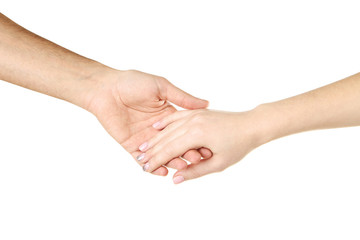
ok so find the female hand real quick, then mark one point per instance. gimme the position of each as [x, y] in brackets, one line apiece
[230, 136]
[128, 102]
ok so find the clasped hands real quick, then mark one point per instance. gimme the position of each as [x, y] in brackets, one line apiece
[134, 108]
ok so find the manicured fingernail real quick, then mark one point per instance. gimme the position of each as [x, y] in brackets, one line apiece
[140, 157]
[178, 179]
[143, 146]
[156, 125]
[146, 167]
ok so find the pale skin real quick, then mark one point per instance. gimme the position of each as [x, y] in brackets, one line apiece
[231, 136]
[125, 102]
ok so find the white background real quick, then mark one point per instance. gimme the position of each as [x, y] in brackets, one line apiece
[63, 177]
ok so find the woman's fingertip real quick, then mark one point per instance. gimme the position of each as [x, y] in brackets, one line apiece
[140, 157]
[146, 167]
[143, 146]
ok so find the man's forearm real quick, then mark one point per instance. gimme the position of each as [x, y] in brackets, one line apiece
[332, 106]
[33, 62]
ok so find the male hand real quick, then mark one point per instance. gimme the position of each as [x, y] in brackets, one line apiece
[127, 103]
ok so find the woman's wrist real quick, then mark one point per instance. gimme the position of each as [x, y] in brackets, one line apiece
[252, 126]
[270, 123]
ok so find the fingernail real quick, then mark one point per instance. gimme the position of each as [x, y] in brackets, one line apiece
[156, 125]
[178, 179]
[143, 146]
[140, 157]
[146, 167]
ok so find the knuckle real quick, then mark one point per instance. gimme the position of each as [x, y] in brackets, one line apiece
[199, 117]
[166, 152]
[196, 117]
[148, 156]
[131, 72]
[162, 157]
[154, 163]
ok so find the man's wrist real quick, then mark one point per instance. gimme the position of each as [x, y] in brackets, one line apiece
[88, 83]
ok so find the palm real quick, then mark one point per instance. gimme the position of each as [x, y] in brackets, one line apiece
[128, 104]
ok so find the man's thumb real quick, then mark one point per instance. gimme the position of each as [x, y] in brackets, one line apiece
[195, 170]
[183, 99]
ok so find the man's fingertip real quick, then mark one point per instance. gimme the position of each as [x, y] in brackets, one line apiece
[205, 103]
[178, 179]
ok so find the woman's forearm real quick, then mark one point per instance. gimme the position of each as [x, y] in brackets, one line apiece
[332, 106]
[33, 62]
[231, 136]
